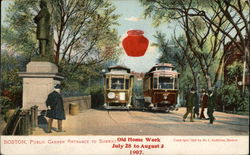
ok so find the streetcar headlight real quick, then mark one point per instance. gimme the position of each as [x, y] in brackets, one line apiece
[165, 96]
[111, 95]
[122, 96]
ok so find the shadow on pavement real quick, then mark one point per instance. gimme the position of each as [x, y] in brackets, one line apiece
[42, 121]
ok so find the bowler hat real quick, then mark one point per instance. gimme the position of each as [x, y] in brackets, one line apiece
[210, 91]
[58, 86]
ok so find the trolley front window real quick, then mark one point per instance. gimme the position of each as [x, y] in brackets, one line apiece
[117, 83]
[166, 83]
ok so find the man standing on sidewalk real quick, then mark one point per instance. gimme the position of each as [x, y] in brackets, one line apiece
[196, 106]
[190, 104]
[211, 105]
[55, 110]
[204, 100]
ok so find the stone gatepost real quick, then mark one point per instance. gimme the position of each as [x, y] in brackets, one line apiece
[38, 81]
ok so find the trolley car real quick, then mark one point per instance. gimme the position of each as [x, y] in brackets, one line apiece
[118, 86]
[160, 87]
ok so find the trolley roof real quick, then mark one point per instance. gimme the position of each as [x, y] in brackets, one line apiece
[165, 64]
[118, 70]
[154, 68]
[118, 67]
[159, 72]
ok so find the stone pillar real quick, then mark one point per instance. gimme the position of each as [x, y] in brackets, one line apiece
[38, 81]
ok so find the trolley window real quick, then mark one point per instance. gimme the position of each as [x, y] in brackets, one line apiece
[107, 83]
[176, 83]
[117, 83]
[127, 83]
[165, 83]
[155, 82]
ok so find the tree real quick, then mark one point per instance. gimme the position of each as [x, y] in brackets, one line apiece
[11, 95]
[235, 72]
[232, 99]
[170, 51]
[83, 32]
[231, 13]
[206, 27]
[175, 51]
[84, 36]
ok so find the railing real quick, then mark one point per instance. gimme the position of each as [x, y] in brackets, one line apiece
[23, 122]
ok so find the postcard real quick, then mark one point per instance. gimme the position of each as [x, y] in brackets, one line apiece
[130, 77]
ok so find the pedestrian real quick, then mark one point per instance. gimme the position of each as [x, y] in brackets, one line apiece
[210, 106]
[196, 106]
[55, 107]
[204, 100]
[190, 104]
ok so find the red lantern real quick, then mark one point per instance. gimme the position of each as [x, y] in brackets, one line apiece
[135, 44]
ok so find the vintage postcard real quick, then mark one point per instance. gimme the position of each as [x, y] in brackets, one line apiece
[132, 77]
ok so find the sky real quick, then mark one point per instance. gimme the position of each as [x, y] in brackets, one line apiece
[131, 12]
[131, 17]
[3, 8]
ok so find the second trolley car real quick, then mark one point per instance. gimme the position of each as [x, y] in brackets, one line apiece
[118, 86]
[160, 87]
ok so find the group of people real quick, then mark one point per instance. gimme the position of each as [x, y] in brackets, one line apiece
[207, 101]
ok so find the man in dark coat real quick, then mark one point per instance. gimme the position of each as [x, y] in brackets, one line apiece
[196, 105]
[204, 100]
[55, 110]
[190, 104]
[210, 106]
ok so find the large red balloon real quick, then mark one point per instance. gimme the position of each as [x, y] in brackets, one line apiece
[135, 44]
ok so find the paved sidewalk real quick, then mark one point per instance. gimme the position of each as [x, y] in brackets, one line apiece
[69, 125]
[102, 122]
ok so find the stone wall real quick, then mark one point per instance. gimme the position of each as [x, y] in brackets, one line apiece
[84, 102]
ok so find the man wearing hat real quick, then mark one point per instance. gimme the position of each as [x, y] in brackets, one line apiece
[190, 104]
[55, 110]
[204, 100]
[211, 105]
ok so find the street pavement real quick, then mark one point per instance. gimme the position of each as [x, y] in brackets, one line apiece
[134, 122]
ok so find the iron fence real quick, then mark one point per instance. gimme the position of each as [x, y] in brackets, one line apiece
[22, 122]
